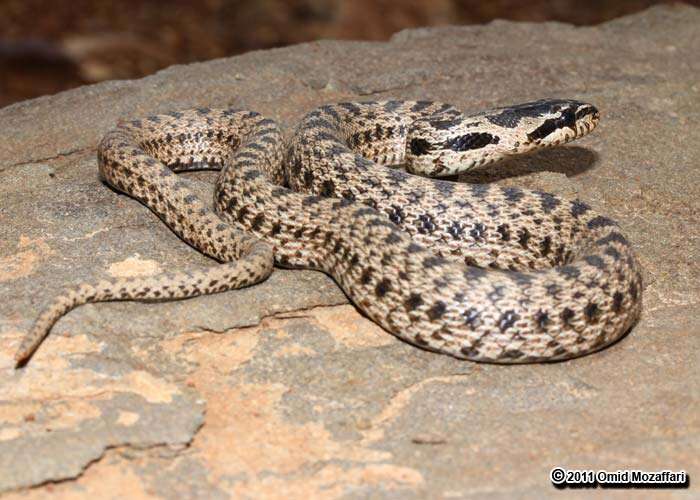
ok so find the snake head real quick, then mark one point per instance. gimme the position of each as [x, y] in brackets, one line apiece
[551, 122]
[442, 146]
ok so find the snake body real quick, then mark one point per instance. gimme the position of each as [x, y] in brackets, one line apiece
[479, 272]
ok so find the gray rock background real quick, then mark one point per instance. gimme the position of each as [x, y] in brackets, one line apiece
[284, 389]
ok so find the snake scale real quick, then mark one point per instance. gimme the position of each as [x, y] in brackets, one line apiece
[479, 272]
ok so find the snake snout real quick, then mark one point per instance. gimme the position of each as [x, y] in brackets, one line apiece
[587, 117]
[562, 122]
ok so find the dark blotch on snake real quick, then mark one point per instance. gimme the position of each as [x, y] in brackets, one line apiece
[504, 231]
[507, 320]
[471, 316]
[433, 261]
[328, 189]
[437, 310]
[591, 310]
[611, 252]
[477, 232]
[474, 273]
[382, 288]
[479, 190]
[456, 230]
[595, 261]
[414, 248]
[569, 272]
[545, 246]
[444, 187]
[426, 224]
[420, 106]
[566, 315]
[548, 202]
[252, 175]
[419, 146]
[523, 237]
[476, 140]
[413, 302]
[512, 194]
[444, 124]
[600, 221]
[308, 201]
[617, 302]
[512, 354]
[392, 238]
[612, 237]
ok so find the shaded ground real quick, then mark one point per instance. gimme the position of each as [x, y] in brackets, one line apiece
[284, 389]
[87, 41]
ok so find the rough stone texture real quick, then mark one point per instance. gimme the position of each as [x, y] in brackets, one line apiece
[284, 389]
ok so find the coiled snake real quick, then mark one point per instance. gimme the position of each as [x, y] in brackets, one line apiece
[479, 272]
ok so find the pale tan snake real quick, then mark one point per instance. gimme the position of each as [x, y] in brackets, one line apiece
[476, 271]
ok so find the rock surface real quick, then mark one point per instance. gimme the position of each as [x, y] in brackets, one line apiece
[284, 389]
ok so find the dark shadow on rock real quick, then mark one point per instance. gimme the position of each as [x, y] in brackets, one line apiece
[570, 161]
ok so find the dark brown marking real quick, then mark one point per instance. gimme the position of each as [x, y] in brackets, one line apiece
[437, 310]
[413, 302]
[507, 320]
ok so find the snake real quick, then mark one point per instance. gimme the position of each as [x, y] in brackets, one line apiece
[476, 271]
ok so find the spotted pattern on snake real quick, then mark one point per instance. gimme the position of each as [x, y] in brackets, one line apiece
[479, 272]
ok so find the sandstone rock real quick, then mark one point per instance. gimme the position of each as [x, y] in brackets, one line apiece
[284, 389]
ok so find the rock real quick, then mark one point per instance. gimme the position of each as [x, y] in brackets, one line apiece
[283, 389]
